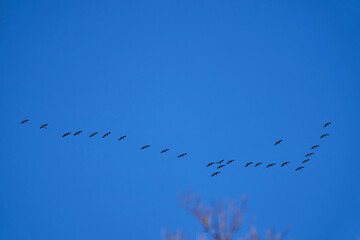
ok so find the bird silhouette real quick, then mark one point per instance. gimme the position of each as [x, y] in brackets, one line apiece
[299, 168]
[219, 162]
[66, 134]
[210, 164]
[249, 163]
[121, 138]
[258, 164]
[182, 155]
[220, 166]
[278, 142]
[284, 164]
[215, 173]
[164, 151]
[324, 135]
[93, 134]
[270, 165]
[315, 146]
[309, 154]
[26, 120]
[230, 161]
[327, 124]
[106, 134]
[146, 146]
[77, 133]
[44, 126]
[306, 160]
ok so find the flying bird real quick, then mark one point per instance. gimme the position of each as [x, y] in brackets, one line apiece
[299, 168]
[230, 161]
[315, 146]
[219, 162]
[146, 146]
[66, 134]
[210, 164]
[278, 142]
[93, 134]
[220, 166]
[324, 135]
[306, 160]
[249, 163]
[182, 155]
[284, 164]
[327, 124]
[258, 164]
[106, 134]
[121, 138]
[270, 165]
[164, 151]
[309, 154]
[26, 120]
[77, 133]
[44, 126]
[215, 173]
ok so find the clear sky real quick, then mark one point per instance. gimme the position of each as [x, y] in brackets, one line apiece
[215, 79]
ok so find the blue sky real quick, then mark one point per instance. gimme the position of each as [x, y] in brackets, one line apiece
[215, 79]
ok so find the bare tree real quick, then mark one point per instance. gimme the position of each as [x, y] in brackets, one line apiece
[221, 221]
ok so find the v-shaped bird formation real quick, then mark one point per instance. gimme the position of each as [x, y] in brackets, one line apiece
[282, 165]
[218, 164]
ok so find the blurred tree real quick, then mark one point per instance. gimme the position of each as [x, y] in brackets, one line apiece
[220, 221]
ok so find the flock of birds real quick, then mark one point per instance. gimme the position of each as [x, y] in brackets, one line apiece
[220, 164]
[104, 136]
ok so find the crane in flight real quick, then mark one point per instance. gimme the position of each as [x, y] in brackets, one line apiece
[106, 134]
[121, 138]
[220, 166]
[248, 164]
[182, 155]
[270, 165]
[215, 173]
[146, 146]
[164, 151]
[24, 121]
[44, 126]
[66, 134]
[327, 124]
[93, 134]
[77, 133]
[278, 142]
[284, 164]
[209, 164]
